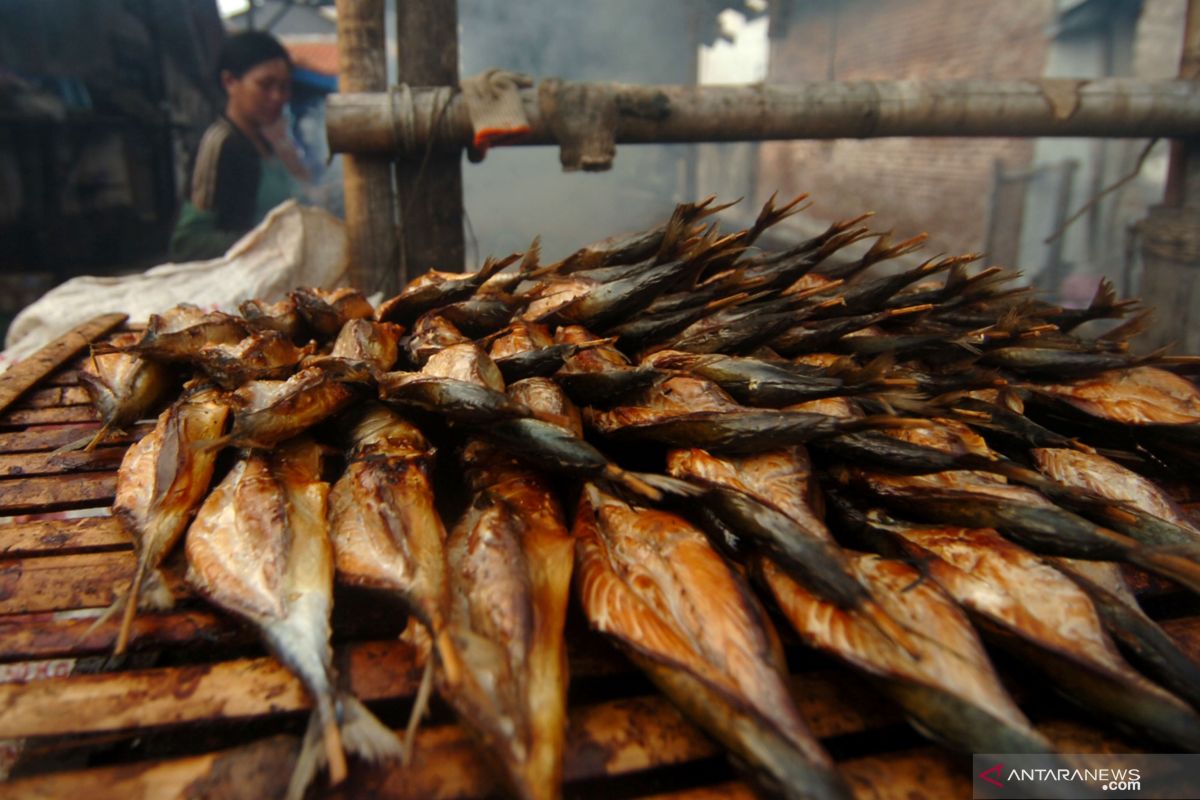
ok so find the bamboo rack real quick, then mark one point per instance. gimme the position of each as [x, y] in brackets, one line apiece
[202, 710]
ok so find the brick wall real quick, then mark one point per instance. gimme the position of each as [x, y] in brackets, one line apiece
[936, 185]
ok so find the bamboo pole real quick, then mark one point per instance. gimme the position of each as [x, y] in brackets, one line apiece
[428, 182]
[1170, 233]
[367, 178]
[1109, 107]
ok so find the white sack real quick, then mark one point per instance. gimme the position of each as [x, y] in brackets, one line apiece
[294, 246]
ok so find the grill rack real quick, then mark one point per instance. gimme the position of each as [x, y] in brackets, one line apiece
[200, 709]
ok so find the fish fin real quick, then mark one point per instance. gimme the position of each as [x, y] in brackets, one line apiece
[493, 265]
[529, 262]
[670, 486]
[1179, 568]
[365, 736]
[770, 215]
[100, 437]
[309, 761]
[76, 444]
[420, 706]
[1129, 328]
[130, 607]
[117, 605]
[632, 481]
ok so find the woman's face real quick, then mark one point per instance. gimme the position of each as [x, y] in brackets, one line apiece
[260, 94]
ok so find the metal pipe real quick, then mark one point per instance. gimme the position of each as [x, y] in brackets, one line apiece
[404, 122]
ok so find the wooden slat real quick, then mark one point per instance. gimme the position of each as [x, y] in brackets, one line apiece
[59, 415]
[57, 492]
[241, 689]
[64, 583]
[74, 461]
[38, 439]
[50, 396]
[617, 737]
[55, 635]
[24, 374]
[58, 536]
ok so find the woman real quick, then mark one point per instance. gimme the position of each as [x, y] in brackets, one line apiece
[238, 175]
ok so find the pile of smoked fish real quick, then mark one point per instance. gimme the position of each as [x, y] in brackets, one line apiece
[694, 441]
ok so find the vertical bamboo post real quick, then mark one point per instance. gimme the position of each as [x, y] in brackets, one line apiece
[1171, 231]
[429, 184]
[367, 180]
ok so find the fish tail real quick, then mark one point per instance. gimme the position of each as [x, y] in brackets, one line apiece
[420, 705]
[331, 736]
[131, 603]
[632, 481]
[310, 759]
[669, 485]
[452, 668]
[1179, 568]
[364, 735]
[770, 215]
[74, 444]
[99, 437]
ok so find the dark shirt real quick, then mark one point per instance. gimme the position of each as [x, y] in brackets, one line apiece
[222, 195]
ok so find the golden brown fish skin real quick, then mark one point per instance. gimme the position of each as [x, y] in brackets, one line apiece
[179, 333]
[948, 689]
[435, 288]
[326, 311]
[260, 549]
[161, 481]
[652, 582]
[546, 401]
[362, 351]
[280, 316]
[123, 387]
[268, 412]
[430, 333]
[519, 337]
[1105, 478]
[265, 355]
[1138, 396]
[1148, 645]
[492, 626]
[386, 531]
[1038, 612]
[549, 559]
[465, 362]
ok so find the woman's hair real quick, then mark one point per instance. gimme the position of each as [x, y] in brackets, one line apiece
[244, 51]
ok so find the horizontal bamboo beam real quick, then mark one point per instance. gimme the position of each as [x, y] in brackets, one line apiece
[387, 122]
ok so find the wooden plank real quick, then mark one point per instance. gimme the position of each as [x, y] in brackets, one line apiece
[617, 737]
[40, 439]
[59, 536]
[23, 375]
[61, 415]
[57, 492]
[51, 463]
[50, 396]
[64, 583]
[60, 634]
[149, 698]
